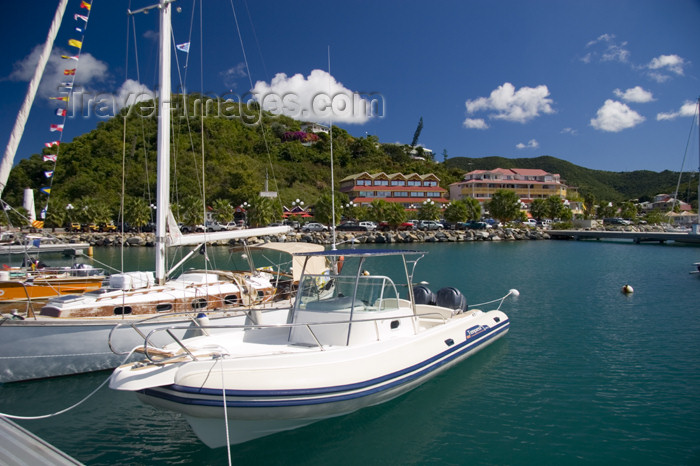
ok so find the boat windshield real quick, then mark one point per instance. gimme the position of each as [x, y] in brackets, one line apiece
[333, 293]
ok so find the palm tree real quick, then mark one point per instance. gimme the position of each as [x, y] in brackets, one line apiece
[224, 211]
[505, 205]
[473, 208]
[137, 212]
[262, 212]
[191, 210]
[394, 214]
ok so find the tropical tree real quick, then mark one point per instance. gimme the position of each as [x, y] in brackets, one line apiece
[137, 212]
[554, 207]
[429, 210]
[224, 211]
[606, 210]
[505, 205]
[377, 210]
[628, 210]
[262, 211]
[456, 211]
[473, 208]
[91, 210]
[394, 214]
[538, 209]
[416, 134]
[323, 209]
[191, 210]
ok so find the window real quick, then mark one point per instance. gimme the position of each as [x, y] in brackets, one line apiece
[199, 303]
[164, 307]
[120, 311]
[400, 194]
[398, 183]
[417, 194]
[381, 182]
[231, 300]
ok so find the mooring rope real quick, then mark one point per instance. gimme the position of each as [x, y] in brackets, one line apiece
[45, 416]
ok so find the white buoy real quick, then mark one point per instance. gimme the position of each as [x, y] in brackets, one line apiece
[514, 292]
[627, 289]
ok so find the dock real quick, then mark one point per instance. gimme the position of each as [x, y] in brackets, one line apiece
[635, 236]
[21, 447]
[69, 249]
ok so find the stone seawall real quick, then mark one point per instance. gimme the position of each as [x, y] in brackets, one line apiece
[496, 234]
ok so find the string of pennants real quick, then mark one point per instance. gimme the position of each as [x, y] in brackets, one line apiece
[81, 21]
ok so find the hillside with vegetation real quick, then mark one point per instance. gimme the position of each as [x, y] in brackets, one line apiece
[597, 184]
[236, 158]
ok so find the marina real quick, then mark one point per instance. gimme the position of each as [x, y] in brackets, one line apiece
[585, 374]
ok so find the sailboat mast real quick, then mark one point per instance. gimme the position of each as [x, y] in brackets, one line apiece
[163, 162]
[9, 157]
[697, 228]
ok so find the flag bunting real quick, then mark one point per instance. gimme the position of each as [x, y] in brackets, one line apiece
[56, 128]
[183, 47]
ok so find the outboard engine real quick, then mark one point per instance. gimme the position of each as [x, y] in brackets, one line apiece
[423, 295]
[452, 298]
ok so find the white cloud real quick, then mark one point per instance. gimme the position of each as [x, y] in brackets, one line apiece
[231, 75]
[607, 49]
[151, 35]
[531, 144]
[660, 67]
[132, 92]
[569, 131]
[475, 123]
[670, 63]
[88, 70]
[505, 103]
[615, 116]
[688, 109]
[635, 94]
[317, 97]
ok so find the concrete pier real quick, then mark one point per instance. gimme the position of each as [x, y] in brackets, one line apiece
[635, 236]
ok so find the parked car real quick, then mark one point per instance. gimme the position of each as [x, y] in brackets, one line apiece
[352, 226]
[214, 226]
[474, 225]
[74, 227]
[90, 228]
[233, 226]
[312, 226]
[370, 225]
[427, 225]
[530, 222]
[616, 221]
[384, 226]
[108, 227]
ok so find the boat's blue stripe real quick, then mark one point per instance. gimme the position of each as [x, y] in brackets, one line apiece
[371, 387]
[337, 388]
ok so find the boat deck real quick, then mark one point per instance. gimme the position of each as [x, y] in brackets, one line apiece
[19, 446]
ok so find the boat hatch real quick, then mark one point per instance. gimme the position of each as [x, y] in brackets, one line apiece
[164, 307]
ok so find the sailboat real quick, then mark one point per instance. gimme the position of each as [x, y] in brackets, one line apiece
[75, 333]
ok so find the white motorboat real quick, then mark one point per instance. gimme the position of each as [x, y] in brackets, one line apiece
[351, 340]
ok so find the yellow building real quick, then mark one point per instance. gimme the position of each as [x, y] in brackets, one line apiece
[527, 183]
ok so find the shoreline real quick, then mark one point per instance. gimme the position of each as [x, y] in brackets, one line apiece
[371, 237]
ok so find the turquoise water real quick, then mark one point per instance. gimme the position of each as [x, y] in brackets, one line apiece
[586, 375]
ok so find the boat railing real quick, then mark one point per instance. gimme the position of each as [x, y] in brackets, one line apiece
[152, 352]
[29, 305]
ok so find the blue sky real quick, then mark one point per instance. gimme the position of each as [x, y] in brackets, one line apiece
[607, 85]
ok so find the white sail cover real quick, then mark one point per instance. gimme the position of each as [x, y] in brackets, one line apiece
[200, 238]
[316, 264]
[9, 157]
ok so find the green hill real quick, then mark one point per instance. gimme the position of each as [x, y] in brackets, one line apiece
[238, 156]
